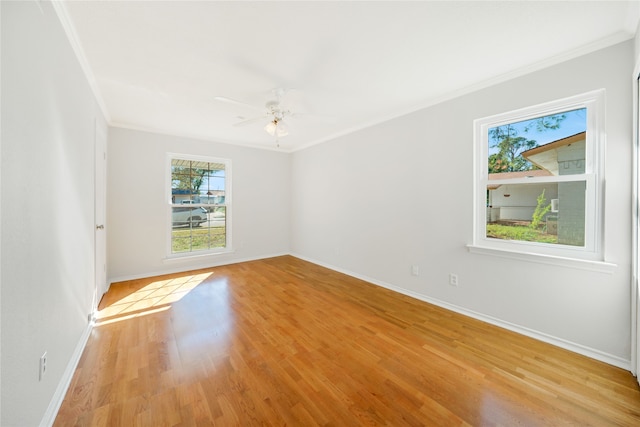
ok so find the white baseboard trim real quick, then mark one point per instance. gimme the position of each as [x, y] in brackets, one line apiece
[63, 386]
[188, 267]
[540, 336]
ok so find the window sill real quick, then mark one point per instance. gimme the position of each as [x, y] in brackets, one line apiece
[583, 264]
[196, 256]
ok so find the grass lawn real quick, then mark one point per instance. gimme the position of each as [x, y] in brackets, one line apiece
[197, 238]
[519, 232]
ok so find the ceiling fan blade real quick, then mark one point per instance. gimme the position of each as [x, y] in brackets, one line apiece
[252, 120]
[235, 102]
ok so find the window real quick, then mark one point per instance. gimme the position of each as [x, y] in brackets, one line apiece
[199, 204]
[539, 179]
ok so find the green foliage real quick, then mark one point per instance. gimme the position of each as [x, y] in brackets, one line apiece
[187, 178]
[519, 232]
[508, 158]
[541, 210]
[551, 122]
[510, 144]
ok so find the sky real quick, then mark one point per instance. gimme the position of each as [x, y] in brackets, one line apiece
[575, 122]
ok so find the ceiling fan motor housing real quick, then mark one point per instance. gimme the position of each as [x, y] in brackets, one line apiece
[273, 107]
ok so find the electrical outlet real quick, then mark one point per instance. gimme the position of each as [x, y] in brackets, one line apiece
[453, 279]
[415, 270]
[43, 366]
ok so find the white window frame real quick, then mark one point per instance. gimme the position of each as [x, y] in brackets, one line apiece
[592, 251]
[227, 203]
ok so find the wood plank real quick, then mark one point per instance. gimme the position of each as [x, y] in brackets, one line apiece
[285, 342]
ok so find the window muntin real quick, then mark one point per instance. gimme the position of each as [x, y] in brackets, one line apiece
[539, 180]
[199, 204]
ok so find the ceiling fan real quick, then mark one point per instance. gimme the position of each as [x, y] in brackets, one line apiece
[274, 113]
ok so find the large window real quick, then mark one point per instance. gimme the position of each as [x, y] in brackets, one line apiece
[199, 204]
[539, 179]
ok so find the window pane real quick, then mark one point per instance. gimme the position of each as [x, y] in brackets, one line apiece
[537, 212]
[200, 239]
[188, 216]
[198, 205]
[218, 237]
[552, 145]
[217, 227]
[180, 244]
[197, 182]
[212, 190]
[193, 234]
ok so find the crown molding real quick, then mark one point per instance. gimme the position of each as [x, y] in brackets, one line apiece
[614, 39]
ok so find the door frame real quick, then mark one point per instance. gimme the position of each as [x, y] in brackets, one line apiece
[100, 205]
[635, 250]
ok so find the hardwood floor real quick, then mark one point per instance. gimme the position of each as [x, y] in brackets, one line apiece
[285, 342]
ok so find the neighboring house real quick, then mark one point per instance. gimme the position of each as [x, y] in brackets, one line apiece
[565, 156]
[517, 202]
[212, 197]
[180, 196]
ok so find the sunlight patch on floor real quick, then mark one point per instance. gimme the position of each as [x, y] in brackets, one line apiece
[152, 298]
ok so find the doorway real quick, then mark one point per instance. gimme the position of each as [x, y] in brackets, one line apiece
[100, 212]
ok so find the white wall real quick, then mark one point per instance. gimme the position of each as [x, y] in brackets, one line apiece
[137, 222]
[375, 202]
[636, 44]
[47, 243]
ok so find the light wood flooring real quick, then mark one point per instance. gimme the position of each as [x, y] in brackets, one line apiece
[285, 342]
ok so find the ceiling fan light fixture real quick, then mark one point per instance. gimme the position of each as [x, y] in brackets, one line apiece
[274, 128]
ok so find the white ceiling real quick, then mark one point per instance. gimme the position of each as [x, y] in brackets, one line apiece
[159, 65]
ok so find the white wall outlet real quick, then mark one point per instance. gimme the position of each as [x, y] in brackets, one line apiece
[43, 366]
[453, 279]
[415, 270]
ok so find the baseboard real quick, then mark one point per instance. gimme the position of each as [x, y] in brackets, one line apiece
[540, 336]
[63, 386]
[189, 267]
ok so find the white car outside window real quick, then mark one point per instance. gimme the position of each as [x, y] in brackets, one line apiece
[189, 215]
